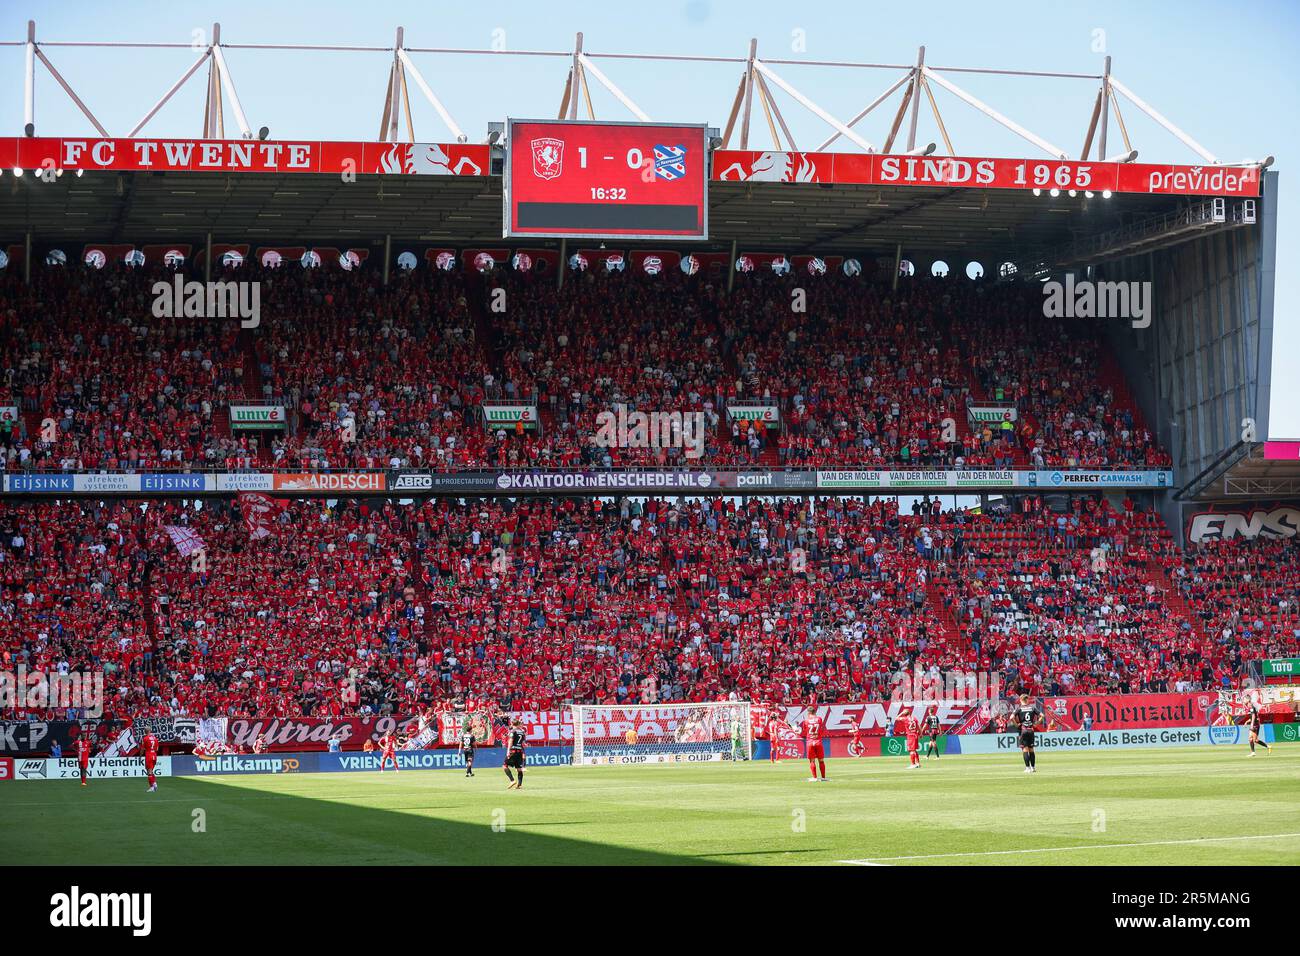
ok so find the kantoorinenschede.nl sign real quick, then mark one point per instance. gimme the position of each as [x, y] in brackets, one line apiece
[574, 481]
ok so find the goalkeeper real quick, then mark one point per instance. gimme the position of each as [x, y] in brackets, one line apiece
[738, 740]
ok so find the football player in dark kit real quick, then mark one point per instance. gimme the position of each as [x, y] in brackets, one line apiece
[515, 755]
[931, 727]
[467, 744]
[1254, 720]
[1026, 718]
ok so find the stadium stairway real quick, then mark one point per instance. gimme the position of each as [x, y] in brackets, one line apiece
[252, 365]
[1111, 375]
[485, 335]
[942, 615]
[221, 421]
[546, 422]
[1020, 458]
[770, 456]
[416, 578]
[1172, 598]
[252, 385]
[32, 422]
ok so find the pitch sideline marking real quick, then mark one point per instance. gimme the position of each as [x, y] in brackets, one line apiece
[877, 861]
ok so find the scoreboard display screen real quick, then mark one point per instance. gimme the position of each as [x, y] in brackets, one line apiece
[575, 179]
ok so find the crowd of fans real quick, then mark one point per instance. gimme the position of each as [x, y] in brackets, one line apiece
[104, 383]
[346, 608]
[1072, 599]
[395, 375]
[1245, 592]
[352, 607]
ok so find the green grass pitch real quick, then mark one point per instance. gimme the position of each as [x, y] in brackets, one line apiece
[1184, 806]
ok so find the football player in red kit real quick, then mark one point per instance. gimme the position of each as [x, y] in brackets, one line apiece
[84, 748]
[150, 748]
[773, 724]
[812, 734]
[857, 746]
[388, 751]
[912, 730]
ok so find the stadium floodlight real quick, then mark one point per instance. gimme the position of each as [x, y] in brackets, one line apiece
[925, 150]
[1037, 191]
[264, 133]
[1128, 157]
[1055, 192]
[29, 130]
[612, 735]
[1106, 194]
[18, 170]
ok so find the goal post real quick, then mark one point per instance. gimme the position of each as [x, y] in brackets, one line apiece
[608, 734]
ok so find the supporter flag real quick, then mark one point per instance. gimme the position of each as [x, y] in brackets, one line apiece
[424, 739]
[500, 729]
[257, 511]
[187, 541]
[785, 742]
[123, 745]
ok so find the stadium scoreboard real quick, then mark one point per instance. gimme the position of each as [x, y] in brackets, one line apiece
[576, 179]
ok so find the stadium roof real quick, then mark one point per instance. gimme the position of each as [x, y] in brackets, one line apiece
[1244, 472]
[993, 225]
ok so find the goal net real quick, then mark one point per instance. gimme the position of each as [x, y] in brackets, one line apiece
[661, 733]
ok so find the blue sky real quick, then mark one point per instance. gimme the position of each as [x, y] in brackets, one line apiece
[1226, 73]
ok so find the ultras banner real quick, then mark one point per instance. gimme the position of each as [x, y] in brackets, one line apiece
[555, 727]
[38, 736]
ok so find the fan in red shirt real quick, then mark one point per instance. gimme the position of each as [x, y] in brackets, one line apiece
[388, 751]
[84, 748]
[150, 748]
[912, 730]
[812, 728]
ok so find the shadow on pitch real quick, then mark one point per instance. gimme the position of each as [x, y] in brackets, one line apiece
[117, 825]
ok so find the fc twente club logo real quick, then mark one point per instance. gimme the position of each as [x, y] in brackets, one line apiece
[548, 157]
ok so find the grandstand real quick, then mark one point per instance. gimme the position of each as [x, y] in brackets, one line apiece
[389, 488]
